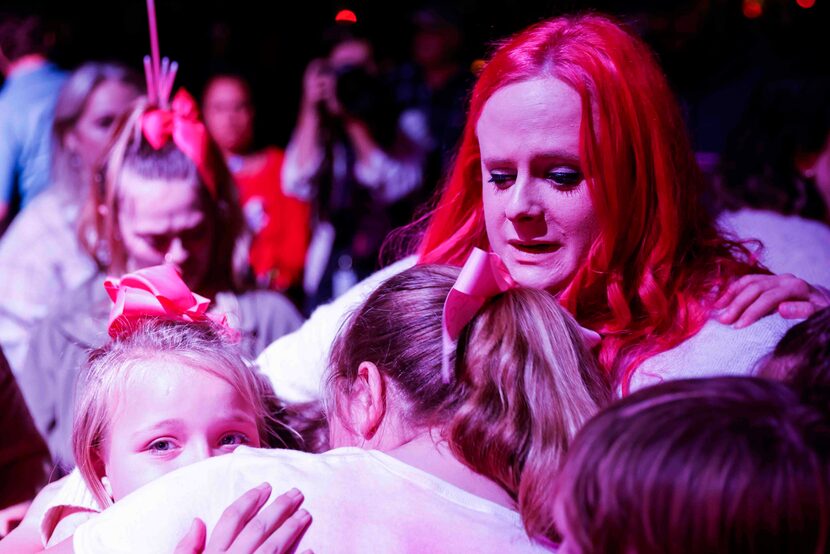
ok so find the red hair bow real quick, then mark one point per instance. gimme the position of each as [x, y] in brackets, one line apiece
[156, 291]
[181, 123]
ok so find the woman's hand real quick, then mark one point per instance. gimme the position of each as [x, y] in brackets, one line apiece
[751, 297]
[243, 528]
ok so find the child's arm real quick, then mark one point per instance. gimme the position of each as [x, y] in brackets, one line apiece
[245, 526]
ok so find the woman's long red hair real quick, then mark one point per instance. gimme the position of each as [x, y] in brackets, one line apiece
[649, 279]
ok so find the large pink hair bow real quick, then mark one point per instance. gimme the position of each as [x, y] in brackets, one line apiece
[182, 124]
[483, 276]
[156, 291]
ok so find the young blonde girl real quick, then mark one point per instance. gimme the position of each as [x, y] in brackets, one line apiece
[170, 389]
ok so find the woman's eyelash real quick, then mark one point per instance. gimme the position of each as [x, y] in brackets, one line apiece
[565, 177]
[499, 178]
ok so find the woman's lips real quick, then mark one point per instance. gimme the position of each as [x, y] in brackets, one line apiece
[535, 247]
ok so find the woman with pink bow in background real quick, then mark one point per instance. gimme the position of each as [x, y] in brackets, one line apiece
[165, 196]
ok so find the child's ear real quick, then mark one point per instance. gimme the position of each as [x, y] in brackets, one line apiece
[101, 471]
[368, 400]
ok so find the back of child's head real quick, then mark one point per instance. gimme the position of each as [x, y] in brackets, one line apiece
[523, 385]
[698, 466]
[802, 358]
[111, 370]
[131, 152]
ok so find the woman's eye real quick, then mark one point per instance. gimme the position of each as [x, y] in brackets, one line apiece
[501, 179]
[565, 177]
[105, 122]
[233, 439]
[159, 243]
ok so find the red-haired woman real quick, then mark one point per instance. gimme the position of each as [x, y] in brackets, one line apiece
[575, 168]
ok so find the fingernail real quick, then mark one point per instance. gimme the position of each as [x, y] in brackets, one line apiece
[303, 515]
[294, 493]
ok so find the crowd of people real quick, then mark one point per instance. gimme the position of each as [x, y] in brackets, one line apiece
[570, 348]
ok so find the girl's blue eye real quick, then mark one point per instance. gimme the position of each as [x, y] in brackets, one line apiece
[565, 177]
[161, 446]
[233, 439]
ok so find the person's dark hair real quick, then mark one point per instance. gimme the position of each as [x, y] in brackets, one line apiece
[802, 358]
[524, 384]
[21, 34]
[730, 464]
[785, 120]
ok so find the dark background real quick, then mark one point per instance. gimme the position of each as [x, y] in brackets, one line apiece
[712, 53]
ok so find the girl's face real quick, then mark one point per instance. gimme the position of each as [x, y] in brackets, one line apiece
[537, 208]
[170, 415]
[91, 133]
[165, 222]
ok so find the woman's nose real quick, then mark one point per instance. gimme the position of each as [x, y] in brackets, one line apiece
[176, 254]
[523, 202]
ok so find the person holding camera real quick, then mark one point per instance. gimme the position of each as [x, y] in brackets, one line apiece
[356, 159]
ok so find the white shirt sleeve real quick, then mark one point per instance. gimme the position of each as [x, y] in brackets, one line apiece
[297, 174]
[296, 363]
[395, 174]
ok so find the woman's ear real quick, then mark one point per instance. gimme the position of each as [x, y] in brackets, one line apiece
[368, 400]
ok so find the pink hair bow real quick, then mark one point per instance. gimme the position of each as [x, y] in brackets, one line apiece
[182, 124]
[483, 276]
[156, 291]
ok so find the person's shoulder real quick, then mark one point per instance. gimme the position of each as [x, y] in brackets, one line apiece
[43, 221]
[263, 301]
[716, 349]
[747, 221]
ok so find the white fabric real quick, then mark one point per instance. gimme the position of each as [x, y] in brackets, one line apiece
[792, 244]
[296, 363]
[717, 349]
[360, 501]
[72, 497]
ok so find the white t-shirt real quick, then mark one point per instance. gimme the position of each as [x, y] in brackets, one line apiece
[360, 501]
[296, 363]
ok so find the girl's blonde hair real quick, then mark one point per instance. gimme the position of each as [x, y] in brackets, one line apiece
[525, 382]
[107, 374]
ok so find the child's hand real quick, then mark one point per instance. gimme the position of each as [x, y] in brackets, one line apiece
[244, 529]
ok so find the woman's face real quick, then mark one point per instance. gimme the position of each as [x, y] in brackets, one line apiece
[537, 208]
[165, 222]
[91, 133]
[229, 115]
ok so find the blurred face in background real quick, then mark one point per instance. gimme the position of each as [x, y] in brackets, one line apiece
[165, 222]
[229, 114]
[91, 133]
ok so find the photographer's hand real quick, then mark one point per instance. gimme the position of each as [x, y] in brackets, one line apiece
[318, 87]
